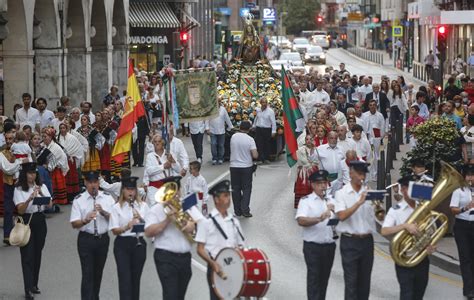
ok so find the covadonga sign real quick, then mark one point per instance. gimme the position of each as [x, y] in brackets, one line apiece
[160, 39]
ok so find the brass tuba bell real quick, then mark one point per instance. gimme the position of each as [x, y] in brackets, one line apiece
[409, 250]
[168, 196]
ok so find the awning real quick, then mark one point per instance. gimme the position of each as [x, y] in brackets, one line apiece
[191, 21]
[152, 15]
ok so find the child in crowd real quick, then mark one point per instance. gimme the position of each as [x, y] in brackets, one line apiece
[196, 183]
[20, 147]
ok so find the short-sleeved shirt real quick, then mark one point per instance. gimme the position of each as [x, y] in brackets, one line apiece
[362, 221]
[312, 206]
[460, 198]
[171, 238]
[241, 145]
[20, 196]
[209, 234]
[84, 204]
[122, 214]
[398, 214]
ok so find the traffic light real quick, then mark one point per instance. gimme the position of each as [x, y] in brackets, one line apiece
[319, 19]
[442, 42]
[183, 38]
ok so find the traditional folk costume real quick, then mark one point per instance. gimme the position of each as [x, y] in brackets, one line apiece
[92, 162]
[306, 165]
[75, 154]
[58, 168]
[108, 130]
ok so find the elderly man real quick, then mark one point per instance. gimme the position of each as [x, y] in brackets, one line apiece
[265, 126]
[329, 156]
[383, 104]
[343, 176]
[216, 128]
[365, 88]
[343, 142]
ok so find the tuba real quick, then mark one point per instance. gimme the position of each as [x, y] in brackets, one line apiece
[168, 195]
[409, 250]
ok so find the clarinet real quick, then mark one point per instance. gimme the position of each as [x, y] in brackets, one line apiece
[94, 195]
[334, 232]
[130, 201]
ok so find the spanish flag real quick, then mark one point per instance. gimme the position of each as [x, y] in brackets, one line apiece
[133, 110]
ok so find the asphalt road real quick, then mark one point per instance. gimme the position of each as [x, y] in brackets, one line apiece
[272, 229]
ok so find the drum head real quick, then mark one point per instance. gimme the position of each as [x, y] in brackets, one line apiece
[232, 265]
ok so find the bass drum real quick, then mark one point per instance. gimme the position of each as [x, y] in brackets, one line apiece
[247, 273]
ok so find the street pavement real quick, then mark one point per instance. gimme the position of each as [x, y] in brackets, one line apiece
[272, 229]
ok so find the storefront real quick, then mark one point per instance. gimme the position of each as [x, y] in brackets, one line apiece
[152, 35]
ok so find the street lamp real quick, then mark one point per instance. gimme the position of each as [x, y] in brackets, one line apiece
[61, 20]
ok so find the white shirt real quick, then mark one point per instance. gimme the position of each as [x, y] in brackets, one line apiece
[374, 121]
[7, 167]
[217, 125]
[461, 198]
[400, 102]
[171, 238]
[362, 221]
[21, 148]
[208, 234]
[346, 145]
[312, 206]
[329, 158]
[84, 204]
[196, 184]
[340, 118]
[362, 123]
[121, 215]
[321, 97]
[362, 147]
[45, 118]
[241, 145]
[398, 214]
[179, 152]
[265, 119]
[114, 188]
[30, 117]
[197, 127]
[365, 89]
[77, 124]
[154, 169]
[20, 196]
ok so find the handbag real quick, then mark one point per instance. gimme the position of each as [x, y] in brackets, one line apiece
[20, 234]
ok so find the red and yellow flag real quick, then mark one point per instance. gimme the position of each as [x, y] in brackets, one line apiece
[133, 110]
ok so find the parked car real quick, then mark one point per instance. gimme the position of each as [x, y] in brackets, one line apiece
[301, 45]
[281, 41]
[322, 41]
[315, 54]
[290, 60]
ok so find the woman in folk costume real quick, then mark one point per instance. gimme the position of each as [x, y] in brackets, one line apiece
[92, 161]
[74, 152]
[57, 165]
[106, 127]
[306, 165]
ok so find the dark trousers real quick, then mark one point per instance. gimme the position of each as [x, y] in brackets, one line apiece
[31, 252]
[130, 260]
[138, 150]
[9, 207]
[212, 293]
[93, 254]
[241, 180]
[197, 144]
[263, 139]
[319, 259]
[464, 237]
[357, 260]
[413, 281]
[174, 271]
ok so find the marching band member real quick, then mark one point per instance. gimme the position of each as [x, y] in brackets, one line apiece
[357, 223]
[319, 246]
[129, 247]
[221, 230]
[90, 215]
[29, 187]
[158, 165]
[462, 206]
[418, 168]
[172, 248]
[413, 281]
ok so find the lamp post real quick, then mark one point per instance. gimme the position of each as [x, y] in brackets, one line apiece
[61, 19]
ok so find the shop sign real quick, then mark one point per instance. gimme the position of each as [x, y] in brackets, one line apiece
[159, 39]
[269, 14]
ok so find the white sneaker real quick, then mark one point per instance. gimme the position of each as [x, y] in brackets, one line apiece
[199, 160]
[214, 162]
[220, 162]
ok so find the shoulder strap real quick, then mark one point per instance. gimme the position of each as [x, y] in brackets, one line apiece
[238, 230]
[219, 227]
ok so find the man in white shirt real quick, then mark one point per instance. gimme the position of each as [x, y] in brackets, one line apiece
[307, 100]
[265, 125]
[76, 117]
[365, 88]
[420, 101]
[216, 128]
[356, 225]
[86, 108]
[376, 132]
[363, 148]
[320, 95]
[45, 115]
[197, 130]
[329, 156]
[242, 153]
[27, 115]
[179, 152]
[343, 142]
[60, 118]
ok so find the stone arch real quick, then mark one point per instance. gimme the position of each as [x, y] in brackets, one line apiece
[17, 53]
[120, 43]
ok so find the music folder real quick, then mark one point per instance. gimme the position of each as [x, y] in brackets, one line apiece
[41, 200]
[376, 195]
[137, 228]
[333, 222]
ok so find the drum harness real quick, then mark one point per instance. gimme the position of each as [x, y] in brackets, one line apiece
[218, 226]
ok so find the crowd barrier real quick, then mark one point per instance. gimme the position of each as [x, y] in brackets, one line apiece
[370, 55]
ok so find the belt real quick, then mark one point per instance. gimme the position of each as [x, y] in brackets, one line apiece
[465, 221]
[172, 253]
[92, 235]
[156, 184]
[357, 236]
[319, 244]
[21, 155]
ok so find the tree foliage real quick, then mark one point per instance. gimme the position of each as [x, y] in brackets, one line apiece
[301, 15]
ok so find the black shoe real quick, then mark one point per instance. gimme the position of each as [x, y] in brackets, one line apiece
[237, 215]
[470, 295]
[140, 165]
[134, 165]
[35, 290]
[29, 295]
[247, 215]
[6, 242]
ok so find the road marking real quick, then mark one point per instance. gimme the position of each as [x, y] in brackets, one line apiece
[219, 178]
[447, 280]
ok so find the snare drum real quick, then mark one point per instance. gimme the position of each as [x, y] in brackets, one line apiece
[247, 270]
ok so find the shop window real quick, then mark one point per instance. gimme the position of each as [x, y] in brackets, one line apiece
[145, 57]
